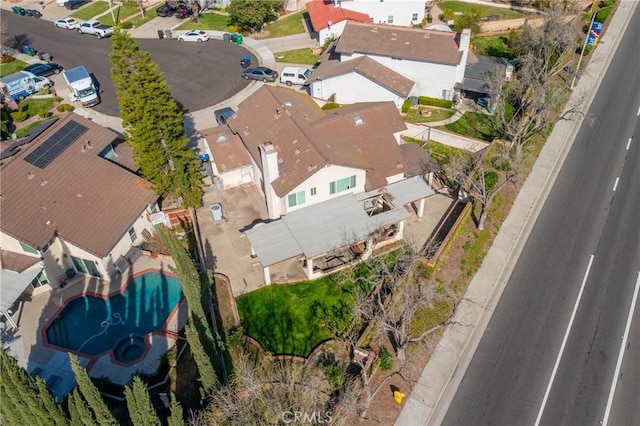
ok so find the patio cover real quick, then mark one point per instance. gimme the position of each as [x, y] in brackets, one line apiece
[14, 284]
[335, 223]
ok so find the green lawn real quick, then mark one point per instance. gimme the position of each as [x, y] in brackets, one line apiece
[148, 16]
[208, 21]
[473, 124]
[11, 67]
[440, 152]
[289, 319]
[494, 45]
[437, 114]
[462, 7]
[290, 25]
[298, 56]
[93, 9]
[22, 132]
[121, 13]
[33, 106]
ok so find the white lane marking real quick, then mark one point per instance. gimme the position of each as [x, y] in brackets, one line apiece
[614, 382]
[638, 111]
[629, 144]
[615, 185]
[564, 342]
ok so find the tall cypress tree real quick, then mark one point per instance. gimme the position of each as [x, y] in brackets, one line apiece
[154, 125]
[26, 400]
[177, 416]
[91, 394]
[79, 410]
[139, 404]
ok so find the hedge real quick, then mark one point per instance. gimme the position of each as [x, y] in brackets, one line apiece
[406, 106]
[64, 107]
[442, 103]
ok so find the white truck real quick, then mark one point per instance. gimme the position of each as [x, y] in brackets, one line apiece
[81, 86]
[94, 27]
[21, 84]
[294, 75]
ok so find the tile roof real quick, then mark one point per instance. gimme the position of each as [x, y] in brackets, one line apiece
[226, 148]
[399, 42]
[419, 162]
[308, 138]
[10, 261]
[321, 12]
[385, 77]
[86, 200]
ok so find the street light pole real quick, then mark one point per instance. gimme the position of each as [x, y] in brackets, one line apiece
[593, 18]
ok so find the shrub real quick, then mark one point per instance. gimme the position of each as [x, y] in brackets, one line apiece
[448, 15]
[6, 58]
[232, 29]
[335, 375]
[386, 360]
[490, 180]
[65, 108]
[44, 91]
[442, 103]
[43, 113]
[406, 106]
[57, 99]
[127, 25]
[330, 105]
[19, 115]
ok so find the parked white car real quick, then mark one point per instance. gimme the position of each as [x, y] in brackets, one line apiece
[67, 23]
[61, 2]
[198, 36]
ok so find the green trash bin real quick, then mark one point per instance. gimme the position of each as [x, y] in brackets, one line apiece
[238, 38]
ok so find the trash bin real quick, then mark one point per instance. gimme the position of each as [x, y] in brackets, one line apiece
[245, 62]
[216, 212]
[204, 157]
[18, 10]
[44, 56]
[226, 37]
[234, 38]
[167, 33]
[239, 39]
[28, 50]
[160, 34]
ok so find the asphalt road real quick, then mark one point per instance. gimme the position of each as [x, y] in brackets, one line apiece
[199, 74]
[584, 215]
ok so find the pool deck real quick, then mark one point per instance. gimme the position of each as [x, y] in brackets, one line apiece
[53, 365]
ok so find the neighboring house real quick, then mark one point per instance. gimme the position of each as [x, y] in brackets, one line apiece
[478, 73]
[335, 178]
[434, 61]
[230, 160]
[67, 206]
[328, 17]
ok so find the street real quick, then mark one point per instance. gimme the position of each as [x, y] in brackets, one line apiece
[199, 74]
[554, 342]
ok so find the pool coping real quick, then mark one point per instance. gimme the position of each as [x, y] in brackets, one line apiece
[162, 330]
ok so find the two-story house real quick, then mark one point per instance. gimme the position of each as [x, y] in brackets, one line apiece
[66, 206]
[434, 61]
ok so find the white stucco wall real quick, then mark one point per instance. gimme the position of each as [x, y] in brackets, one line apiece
[380, 10]
[431, 79]
[9, 243]
[351, 88]
[320, 180]
[334, 30]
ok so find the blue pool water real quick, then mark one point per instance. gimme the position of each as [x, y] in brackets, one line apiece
[92, 325]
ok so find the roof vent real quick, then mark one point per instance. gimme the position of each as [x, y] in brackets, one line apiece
[30, 175]
[246, 130]
[298, 151]
[306, 116]
[394, 36]
[374, 29]
[43, 182]
[426, 35]
[288, 103]
[49, 222]
[358, 121]
[406, 42]
[277, 113]
[221, 138]
[79, 195]
[89, 146]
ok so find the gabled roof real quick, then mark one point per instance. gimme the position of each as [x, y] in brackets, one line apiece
[478, 70]
[308, 138]
[419, 162]
[86, 200]
[398, 42]
[226, 148]
[10, 261]
[322, 12]
[383, 76]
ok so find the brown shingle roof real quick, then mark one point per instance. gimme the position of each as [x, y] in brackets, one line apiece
[398, 42]
[226, 148]
[419, 162]
[308, 138]
[16, 262]
[87, 200]
[383, 76]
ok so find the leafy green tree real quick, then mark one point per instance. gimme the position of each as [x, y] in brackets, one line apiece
[91, 394]
[177, 416]
[139, 404]
[470, 19]
[25, 400]
[251, 15]
[153, 122]
[79, 410]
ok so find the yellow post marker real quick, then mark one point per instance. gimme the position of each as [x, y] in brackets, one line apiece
[398, 396]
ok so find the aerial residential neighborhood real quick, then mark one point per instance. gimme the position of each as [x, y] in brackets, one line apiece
[318, 212]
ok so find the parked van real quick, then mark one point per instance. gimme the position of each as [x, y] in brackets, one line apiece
[294, 75]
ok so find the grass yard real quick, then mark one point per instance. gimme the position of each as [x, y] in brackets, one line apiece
[148, 16]
[33, 106]
[93, 9]
[474, 125]
[25, 130]
[440, 152]
[11, 67]
[437, 114]
[289, 319]
[494, 45]
[299, 56]
[208, 21]
[290, 25]
[121, 13]
[462, 7]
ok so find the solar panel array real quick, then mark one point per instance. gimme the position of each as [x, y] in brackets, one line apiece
[55, 144]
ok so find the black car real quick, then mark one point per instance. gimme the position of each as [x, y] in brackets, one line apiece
[165, 10]
[183, 12]
[75, 4]
[222, 115]
[43, 69]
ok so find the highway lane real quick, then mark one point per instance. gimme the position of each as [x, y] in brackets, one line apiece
[507, 379]
[199, 74]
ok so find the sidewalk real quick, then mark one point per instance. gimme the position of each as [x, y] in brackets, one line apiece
[431, 396]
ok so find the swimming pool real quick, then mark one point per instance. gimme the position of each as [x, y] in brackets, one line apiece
[93, 324]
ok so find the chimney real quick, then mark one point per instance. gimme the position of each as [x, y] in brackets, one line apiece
[270, 173]
[465, 39]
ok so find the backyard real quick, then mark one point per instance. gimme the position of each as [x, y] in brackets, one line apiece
[474, 125]
[417, 115]
[207, 21]
[493, 45]
[299, 56]
[290, 25]
[462, 7]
